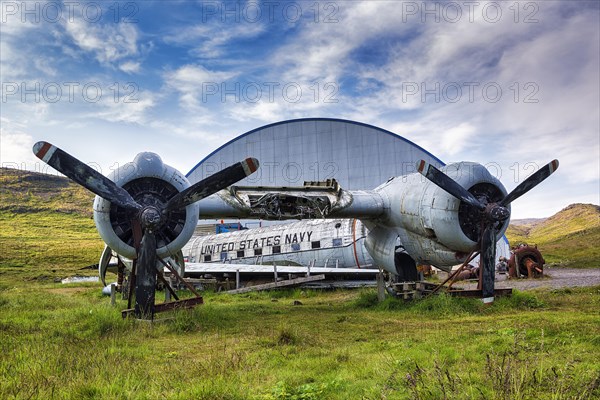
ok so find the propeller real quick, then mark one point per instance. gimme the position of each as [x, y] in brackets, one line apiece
[148, 217]
[83, 174]
[448, 184]
[491, 215]
[212, 184]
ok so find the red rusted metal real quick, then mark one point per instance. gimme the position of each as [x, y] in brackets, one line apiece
[526, 261]
[168, 287]
[452, 275]
[179, 278]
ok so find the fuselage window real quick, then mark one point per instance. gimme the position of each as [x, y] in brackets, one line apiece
[224, 256]
[316, 245]
[240, 253]
[337, 242]
[257, 252]
[276, 249]
[296, 246]
[207, 258]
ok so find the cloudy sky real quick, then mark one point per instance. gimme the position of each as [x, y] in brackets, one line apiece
[508, 84]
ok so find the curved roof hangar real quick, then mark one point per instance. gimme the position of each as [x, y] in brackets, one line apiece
[357, 155]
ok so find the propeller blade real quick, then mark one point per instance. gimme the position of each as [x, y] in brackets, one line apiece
[448, 184]
[103, 264]
[145, 281]
[488, 263]
[84, 175]
[213, 184]
[531, 182]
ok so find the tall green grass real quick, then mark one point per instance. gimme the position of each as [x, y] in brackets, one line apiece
[68, 342]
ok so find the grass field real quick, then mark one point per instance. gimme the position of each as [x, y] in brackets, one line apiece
[67, 342]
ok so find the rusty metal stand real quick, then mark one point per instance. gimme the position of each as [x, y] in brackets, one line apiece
[179, 278]
[466, 293]
[451, 276]
[171, 305]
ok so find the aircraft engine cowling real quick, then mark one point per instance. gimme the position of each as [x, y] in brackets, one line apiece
[149, 181]
[381, 243]
[438, 225]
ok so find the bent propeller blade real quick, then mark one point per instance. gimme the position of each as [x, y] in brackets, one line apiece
[531, 182]
[84, 175]
[213, 184]
[448, 184]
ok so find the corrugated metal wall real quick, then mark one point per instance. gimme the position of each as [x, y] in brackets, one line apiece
[359, 156]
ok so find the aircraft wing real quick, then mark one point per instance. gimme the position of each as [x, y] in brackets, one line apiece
[313, 200]
[218, 268]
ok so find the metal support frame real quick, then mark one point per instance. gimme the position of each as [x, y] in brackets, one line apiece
[167, 305]
[455, 273]
[467, 293]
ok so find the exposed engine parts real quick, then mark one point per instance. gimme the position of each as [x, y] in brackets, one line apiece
[151, 184]
[526, 262]
[280, 206]
[313, 200]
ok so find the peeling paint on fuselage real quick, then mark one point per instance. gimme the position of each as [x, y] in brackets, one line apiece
[325, 243]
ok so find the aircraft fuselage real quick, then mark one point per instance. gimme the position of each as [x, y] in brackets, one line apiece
[320, 243]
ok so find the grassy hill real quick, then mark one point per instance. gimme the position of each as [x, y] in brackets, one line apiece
[570, 238]
[46, 225]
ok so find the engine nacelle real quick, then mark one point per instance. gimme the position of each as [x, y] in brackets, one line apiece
[149, 181]
[381, 245]
[392, 249]
[436, 225]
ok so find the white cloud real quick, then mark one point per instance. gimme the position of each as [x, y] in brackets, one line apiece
[130, 109]
[547, 61]
[457, 138]
[211, 40]
[15, 146]
[109, 43]
[14, 62]
[196, 85]
[262, 111]
[130, 67]
[565, 122]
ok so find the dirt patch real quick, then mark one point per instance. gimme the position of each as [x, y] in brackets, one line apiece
[554, 278]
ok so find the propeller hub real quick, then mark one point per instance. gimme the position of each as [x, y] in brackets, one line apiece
[497, 212]
[150, 217]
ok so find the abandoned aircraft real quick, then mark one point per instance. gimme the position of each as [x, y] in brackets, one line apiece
[337, 243]
[330, 246]
[428, 217]
[146, 210]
